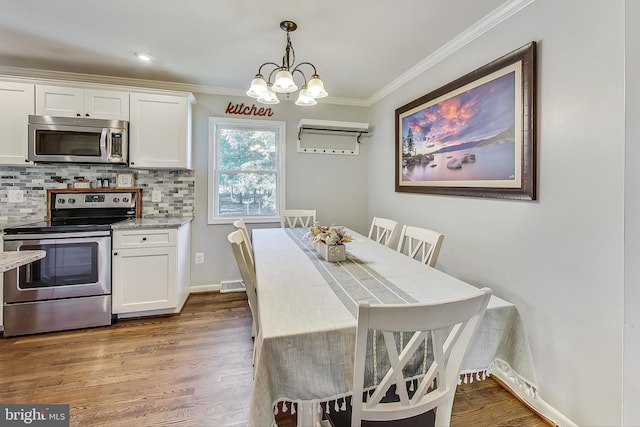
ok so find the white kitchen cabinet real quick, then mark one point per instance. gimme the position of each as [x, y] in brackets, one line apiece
[160, 131]
[64, 101]
[150, 270]
[16, 103]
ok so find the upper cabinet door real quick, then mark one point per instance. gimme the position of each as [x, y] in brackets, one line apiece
[61, 101]
[160, 131]
[106, 104]
[16, 103]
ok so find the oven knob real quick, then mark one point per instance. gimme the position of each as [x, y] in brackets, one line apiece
[116, 199]
[125, 199]
[72, 201]
[61, 201]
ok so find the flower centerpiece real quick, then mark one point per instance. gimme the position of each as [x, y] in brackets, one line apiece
[329, 241]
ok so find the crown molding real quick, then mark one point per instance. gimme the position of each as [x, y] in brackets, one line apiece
[65, 76]
[352, 102]
[494, 18]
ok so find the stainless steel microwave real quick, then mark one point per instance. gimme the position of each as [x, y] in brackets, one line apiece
[78, 140]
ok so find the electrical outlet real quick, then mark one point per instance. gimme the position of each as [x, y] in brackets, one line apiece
[156, 196]
[16, 196]
[199, 257]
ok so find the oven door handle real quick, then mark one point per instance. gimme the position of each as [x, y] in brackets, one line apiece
[29, 273]
[47, 236]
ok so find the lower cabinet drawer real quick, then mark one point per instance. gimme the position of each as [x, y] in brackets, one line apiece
[144, 238]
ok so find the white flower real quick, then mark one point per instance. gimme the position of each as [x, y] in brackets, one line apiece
[332, 239]
[331, 236]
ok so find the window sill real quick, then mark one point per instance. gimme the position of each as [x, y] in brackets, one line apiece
[247, 220]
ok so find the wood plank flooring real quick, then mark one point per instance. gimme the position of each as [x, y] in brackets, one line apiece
[192, 369]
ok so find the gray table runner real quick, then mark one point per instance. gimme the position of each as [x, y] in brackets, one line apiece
[351, 280]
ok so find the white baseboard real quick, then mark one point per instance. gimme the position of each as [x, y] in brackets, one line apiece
[535, 402]
[205, 288]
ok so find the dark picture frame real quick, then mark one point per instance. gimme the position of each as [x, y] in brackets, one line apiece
[474, 136]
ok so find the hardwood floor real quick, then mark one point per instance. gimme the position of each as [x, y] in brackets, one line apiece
[192, 369]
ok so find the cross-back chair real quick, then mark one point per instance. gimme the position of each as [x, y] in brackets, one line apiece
[383, 230]
[239, 224]
[420, 244]
[448, 325]
[247, 272]
[297, 217]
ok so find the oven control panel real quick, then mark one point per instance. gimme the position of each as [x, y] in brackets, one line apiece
[93, 200]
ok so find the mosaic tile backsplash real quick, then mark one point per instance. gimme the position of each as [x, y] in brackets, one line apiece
[177, 188]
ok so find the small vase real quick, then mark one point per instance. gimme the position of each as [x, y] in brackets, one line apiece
[332, 253]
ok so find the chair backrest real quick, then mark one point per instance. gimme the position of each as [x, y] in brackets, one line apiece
[247, 271]
[420, 244]
[448, 325]
[297, 218]
[383, 230]
[239, 224]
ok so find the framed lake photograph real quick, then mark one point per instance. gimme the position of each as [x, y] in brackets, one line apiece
[474, 136]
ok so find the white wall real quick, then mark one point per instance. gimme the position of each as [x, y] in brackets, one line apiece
[558, 259]
[335, 185]
[631, 396]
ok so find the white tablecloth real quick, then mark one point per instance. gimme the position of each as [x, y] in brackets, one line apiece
[307, 312]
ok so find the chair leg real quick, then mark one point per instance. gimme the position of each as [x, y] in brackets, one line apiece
[308, 415]
[443, 413]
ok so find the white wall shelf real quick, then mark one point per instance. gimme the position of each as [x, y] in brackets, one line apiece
[335, 128]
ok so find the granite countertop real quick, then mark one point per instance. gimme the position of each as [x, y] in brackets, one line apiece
[171, 222]
[14, 259]
[149, 222]
[26, 220]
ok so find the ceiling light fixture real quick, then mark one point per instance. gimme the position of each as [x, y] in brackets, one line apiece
[144, 57]
[265, 90]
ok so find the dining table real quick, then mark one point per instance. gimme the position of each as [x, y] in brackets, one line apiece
[307, 309]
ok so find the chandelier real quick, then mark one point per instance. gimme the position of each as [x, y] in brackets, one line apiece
[265, 90]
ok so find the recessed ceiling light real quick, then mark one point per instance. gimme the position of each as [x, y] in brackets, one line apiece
[144, 57]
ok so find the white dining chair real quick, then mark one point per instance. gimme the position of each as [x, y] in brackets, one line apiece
[239, 224]
[248, 274]
[383, 230]
[449, 326]
[297, 218]
[420, 244]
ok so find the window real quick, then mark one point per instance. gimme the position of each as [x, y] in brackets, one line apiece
[246, 170]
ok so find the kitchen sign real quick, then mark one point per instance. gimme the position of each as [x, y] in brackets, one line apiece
[248, 110]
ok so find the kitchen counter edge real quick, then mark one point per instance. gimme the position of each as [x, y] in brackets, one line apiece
[13, 259]
[173, 222]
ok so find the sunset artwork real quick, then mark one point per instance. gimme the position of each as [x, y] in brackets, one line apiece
[474, 136]
[469, 135]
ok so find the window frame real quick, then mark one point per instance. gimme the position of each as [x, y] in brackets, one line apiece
[212, 184]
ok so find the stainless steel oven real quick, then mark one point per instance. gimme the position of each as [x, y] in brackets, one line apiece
[70, 287]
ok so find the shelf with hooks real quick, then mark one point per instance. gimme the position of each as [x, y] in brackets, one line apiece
[338, 129]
